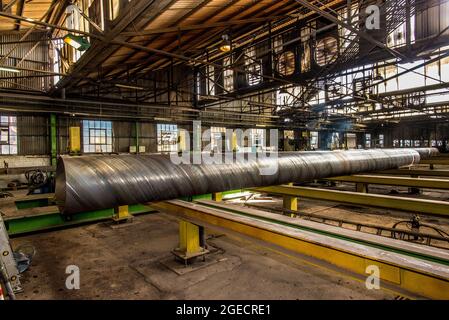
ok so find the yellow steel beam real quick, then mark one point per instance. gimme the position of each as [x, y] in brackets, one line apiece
[432, 207]
[396, 181]
[349, 257]
[416, 172]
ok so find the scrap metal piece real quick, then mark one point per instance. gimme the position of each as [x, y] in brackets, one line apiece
[99, 182]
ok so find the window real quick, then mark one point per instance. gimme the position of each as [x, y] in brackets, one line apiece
[228, 74]
[8, 135]
[167, 137]
[314, 140]
[351, 17]
[396, 143]
[97, 136]
[381, 140]
[368, 140]
[210, 80]
[306, 32]
[335, 144]
[253, 67]
[257, 138]
[217, 134]
[114, 9]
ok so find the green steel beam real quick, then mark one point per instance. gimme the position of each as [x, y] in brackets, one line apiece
[33, 203]
[54, 220]
[25, 224]
[208, 196]
[53, 140]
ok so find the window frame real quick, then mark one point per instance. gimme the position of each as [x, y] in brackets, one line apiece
[90, 129]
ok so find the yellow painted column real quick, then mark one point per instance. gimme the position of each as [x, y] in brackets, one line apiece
[234, 142]
[75, 140]
[290, 203]
[182, 145]
[361, 187]
[122, 213]
[189, 238]
[217, 196]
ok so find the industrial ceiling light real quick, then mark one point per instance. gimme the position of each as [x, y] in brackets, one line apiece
[78, 42]
[162, 119]
[125, 86]
[225, 44]
[9, 69]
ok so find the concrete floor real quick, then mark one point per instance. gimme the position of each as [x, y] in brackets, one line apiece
[127, 263]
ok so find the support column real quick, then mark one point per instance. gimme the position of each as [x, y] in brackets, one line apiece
[75, 140]
[53, 140]
[361, 187]
[122, 214]
[290, 203]
[190, 243]
[137, 137]
[217, 196]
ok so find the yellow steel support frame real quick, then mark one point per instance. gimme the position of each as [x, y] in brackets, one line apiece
[290, 203]
[432, 207]
[411, 280]
[122, 214]
[413, 182]
[189, 242]
[217, 196]
[189, 238]
[415, 172]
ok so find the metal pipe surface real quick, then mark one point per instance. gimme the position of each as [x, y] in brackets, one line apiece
[99, 182]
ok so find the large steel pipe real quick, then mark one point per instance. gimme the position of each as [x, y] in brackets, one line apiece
[99, 182]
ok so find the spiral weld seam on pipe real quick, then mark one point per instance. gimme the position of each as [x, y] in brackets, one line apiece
[89, 183]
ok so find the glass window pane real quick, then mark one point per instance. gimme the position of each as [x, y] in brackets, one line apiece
[4, 135]
[13, 149]
[12, 140]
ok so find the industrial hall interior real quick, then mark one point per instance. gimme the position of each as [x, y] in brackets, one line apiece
[224, 150]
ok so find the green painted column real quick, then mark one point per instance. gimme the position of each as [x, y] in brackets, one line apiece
[53, 140]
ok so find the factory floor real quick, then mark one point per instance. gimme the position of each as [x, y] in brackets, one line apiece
[134, 261]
